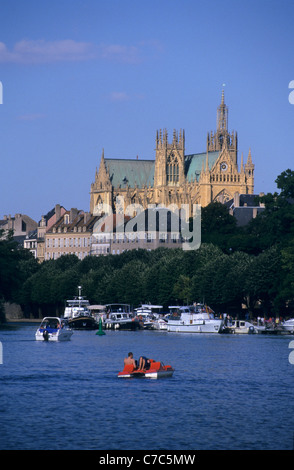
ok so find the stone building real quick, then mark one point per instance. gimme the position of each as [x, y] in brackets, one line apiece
[70, 234]
[35, 241]
[174, 177]
[20, 224]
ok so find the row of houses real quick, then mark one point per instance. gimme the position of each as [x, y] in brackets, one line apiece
[61, 232]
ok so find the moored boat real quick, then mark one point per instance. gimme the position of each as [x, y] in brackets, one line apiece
[238, 327]
[157, 370]
[160, 324]
[197, 318]
[53, 329]
[119, 317]
[144, 315]
[78, 315]
[288, 325]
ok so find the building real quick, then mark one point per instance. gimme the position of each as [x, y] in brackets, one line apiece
[151, 229]
[174, 177]
[70, 234]
[245, 207]
[35, 240]
[21, 225]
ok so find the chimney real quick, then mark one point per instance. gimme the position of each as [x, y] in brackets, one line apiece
[73, 214]
[57, 212]
[86, 217]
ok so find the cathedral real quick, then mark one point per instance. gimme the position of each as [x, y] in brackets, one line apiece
[174, 177]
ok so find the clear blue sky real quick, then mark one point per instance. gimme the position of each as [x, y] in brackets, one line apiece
[82, 75]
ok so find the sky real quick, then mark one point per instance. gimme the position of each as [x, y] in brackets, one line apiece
[80, 76]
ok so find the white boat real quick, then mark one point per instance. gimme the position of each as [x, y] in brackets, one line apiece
[160, 324]
[288, 325]
[119, 317]
[144, 316]
[78, 315]
[150, 317]
[239, 327]
[53, 329]
[193, 319]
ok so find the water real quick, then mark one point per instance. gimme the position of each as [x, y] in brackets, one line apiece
[228, 392]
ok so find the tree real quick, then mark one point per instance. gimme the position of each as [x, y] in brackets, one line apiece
[182, 289]
[218, 226]
[285, 182]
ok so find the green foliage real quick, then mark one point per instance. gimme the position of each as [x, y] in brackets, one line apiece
[233, 267]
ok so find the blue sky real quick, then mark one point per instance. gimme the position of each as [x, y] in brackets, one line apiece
[82, 75]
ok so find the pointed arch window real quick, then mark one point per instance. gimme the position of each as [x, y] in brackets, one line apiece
[172, 170]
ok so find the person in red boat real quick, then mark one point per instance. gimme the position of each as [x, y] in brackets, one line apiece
[130, 360]
[144, 363]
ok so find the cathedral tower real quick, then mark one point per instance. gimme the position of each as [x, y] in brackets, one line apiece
[169, 172]
[222, 138]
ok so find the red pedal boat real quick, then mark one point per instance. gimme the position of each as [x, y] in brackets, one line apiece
[156, 370]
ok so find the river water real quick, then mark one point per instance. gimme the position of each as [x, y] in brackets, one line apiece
[228, 392]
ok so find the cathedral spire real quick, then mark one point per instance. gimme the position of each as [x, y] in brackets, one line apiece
[222, 114]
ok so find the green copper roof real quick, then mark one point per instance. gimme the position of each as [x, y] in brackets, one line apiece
[194, 163]
[130, 172]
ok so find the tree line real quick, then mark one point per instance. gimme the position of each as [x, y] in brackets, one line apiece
[250, 266]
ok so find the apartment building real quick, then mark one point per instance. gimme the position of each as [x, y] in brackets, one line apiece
[70, 234]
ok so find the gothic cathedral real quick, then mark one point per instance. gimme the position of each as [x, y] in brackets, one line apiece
[176, 178]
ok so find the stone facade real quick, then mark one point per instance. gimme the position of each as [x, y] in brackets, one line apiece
[174, 177]
[70, 234]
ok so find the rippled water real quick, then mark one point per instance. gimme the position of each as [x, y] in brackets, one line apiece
[228, 392]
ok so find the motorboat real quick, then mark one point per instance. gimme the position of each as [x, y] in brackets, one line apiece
[120, 317]
[288, 325]
[144, 316]
[160, 324]
[157, 370]
[238, 327]
[197, 318]
[53, 329]
[97, 311]
[78, 315]
[150, 317]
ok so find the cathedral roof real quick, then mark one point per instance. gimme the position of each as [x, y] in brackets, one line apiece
[130, 172]
[195, 162]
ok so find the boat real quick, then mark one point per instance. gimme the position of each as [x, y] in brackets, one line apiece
[53, 329]
[238, 327]
[120, 317]
[144, 315]
[197, 318]
[78, 315]
[150, 317]
[288, 326]
[160, 324]
[157, 370]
